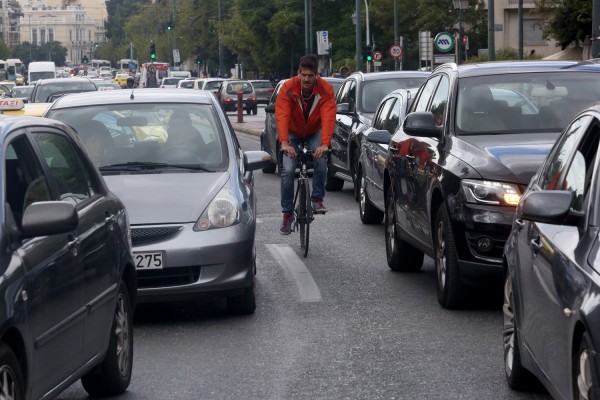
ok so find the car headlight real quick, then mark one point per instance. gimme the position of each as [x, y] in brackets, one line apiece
[223, 211]
[491, 192]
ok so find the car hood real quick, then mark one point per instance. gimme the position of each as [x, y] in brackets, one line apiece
[166, 198]
[510, 158]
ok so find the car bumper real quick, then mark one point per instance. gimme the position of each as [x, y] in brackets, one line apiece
[214, 263]
[232, 105]
[480, 233]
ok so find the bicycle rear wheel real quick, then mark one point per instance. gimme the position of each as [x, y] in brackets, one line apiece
[304, 215]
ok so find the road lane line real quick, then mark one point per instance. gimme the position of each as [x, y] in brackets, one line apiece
[289, 260]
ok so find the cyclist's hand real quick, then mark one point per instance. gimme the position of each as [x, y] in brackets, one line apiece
[288, 150]
[320, 151]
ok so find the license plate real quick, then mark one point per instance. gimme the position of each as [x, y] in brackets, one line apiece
[148, 260]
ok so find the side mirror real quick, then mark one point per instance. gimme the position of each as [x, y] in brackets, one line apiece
[550, 207]
[270, 108]
[49, 218]
[256, 159]
[422, 124]
[379, 137]
[342, 108]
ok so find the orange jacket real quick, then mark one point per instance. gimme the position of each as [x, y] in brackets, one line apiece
[290, 117]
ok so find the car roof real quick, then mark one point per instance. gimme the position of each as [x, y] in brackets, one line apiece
[133, 95]
[509, 67]
[62, 80]
[9, 123]
[373, 76]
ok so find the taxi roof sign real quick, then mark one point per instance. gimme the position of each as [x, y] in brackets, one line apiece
[11, 104]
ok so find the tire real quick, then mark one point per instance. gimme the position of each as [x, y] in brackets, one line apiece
[369, 214]
[12, 385]
[449, 287]
[585, 384]
[112, 377]
[248, 111]
[255, 111]
[243, 304]
[271, 168]
[304, 215]
[333, 184]
[401, 256]
[517, 377]
[354, 170]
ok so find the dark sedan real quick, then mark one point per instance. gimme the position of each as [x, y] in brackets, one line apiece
[373, 153]
[68, 286]
[474, 137]
[552, 270]
[356, 102]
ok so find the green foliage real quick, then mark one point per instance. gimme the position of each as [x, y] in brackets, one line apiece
[567, 21]
[27, 53]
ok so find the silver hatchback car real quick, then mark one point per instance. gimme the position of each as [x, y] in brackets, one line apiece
[175, 162]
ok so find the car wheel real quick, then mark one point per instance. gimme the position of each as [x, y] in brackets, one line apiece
[369, 214]
[243, 304]
[333, 184]
[112, 377]
[446, 261]
[354, 170]
[248, 111]
[584, 384]
[401, 256]
[255, 111]
[517, 377]
[12, 385]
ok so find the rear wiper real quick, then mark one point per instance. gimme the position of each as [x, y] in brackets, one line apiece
[148, 165]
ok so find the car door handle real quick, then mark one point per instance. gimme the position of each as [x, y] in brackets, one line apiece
[519, 223]
[109, 219]
[536, 244]
[73, 244]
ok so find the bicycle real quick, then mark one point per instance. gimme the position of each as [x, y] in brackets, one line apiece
[303, 212]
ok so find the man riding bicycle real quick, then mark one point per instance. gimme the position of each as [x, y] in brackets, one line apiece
[305, 110]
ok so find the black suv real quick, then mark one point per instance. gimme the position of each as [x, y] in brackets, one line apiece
[357, 100]
[456, 168]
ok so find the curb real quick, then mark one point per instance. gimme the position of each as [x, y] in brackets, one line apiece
[249, 131]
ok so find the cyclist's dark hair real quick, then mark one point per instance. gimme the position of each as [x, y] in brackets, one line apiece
[309, 61]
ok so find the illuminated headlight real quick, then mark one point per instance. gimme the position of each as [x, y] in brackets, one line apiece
[490, 192]
[223, 211]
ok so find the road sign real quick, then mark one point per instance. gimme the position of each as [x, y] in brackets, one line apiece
[444, 42]
[322, 43]
[377, 56]
[396, 51]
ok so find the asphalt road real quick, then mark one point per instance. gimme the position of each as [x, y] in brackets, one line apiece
[338, 324]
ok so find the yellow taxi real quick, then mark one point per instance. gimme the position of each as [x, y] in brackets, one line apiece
[121, 79]
[17, 107]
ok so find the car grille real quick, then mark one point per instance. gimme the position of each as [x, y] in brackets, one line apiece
[168, 277]
[141, 236]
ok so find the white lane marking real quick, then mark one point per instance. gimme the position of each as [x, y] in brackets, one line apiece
[289, 260]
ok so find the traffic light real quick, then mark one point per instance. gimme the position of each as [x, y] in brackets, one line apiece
[152, 51]
[84, 59]
[198, 59]
[169, 25]
[369, 57]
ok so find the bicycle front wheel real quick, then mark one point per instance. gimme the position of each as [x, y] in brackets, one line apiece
[304, 215]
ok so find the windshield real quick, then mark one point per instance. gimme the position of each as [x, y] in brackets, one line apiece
[34, 76]
[524, 102]
[374, 91]
[149, 138]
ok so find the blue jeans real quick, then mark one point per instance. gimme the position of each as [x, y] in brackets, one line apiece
[289, 168]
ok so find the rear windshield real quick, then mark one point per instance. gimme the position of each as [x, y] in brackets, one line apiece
[524, 102]
[262, 85]
[45, 92]
[374, 91]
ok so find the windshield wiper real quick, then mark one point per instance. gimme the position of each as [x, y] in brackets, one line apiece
[148, 165]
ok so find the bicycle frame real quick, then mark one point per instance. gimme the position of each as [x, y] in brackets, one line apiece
[303, 212]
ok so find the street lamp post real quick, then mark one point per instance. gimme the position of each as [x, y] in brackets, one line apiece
[460, 5]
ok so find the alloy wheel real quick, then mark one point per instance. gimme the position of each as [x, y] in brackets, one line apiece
[390, 228]
[8, 387]
[508, 331]
[584, 377]
[122, 332]
[441, 263]
[362, 195]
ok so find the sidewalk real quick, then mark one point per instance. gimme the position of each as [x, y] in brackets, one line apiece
[252, 125]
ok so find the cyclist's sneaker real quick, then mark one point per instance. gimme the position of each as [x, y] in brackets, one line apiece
[286, 225]
[318, 207]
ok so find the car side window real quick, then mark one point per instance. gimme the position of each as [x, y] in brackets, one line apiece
[342, 94]
[424, 95]
[352, 96]
[382, 114]
[25, 182]
[440, 101]
[72, 175]
[571, 158]
[393, 119]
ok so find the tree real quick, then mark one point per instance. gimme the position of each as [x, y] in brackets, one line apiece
[566, 21]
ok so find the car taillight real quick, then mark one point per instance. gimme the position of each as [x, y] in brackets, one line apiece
[227, 100]
[252, 98]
